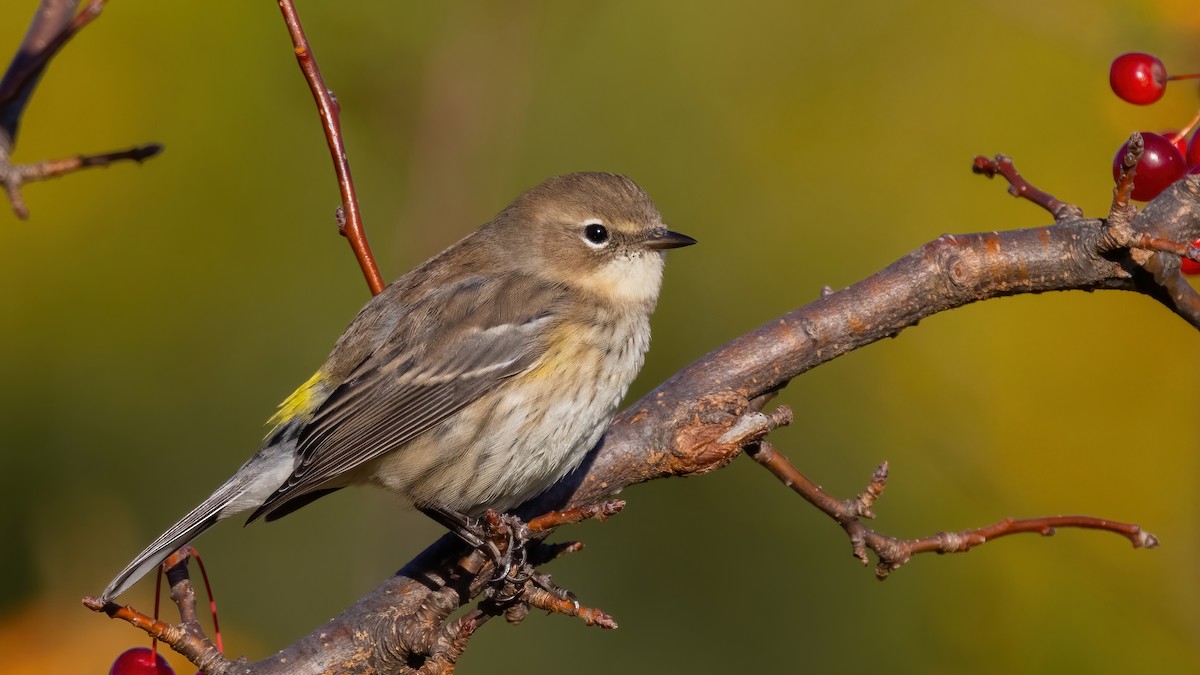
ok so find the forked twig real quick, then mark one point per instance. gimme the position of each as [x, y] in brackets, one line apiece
[893, 552]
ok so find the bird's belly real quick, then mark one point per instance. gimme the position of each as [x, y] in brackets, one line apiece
[516, 441]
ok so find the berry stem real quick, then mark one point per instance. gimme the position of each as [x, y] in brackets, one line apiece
[212, 602]
[1189, 76]
[157, 596]
[1183, 133]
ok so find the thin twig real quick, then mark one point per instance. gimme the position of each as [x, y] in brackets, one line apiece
[602, 511]
[894, 552]
[15, 176]
[842, 511]
[54, 168]
[1019, 187]
[958, 542]
[1151, 243]
[198, 650]
[545, 600]
[351, 227]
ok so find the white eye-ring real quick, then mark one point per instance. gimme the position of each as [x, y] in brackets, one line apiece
[594, 233]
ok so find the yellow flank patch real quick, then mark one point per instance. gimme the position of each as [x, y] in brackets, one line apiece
[551, 362]
[301, 402]
[566, 351]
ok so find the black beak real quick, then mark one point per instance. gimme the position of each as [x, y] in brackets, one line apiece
[662, 239]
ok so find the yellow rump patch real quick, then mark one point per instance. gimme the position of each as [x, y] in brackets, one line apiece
[301, 402]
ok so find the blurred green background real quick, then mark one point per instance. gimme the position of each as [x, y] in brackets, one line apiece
[153, 317]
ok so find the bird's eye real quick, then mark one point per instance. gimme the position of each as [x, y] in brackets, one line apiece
[596, 234]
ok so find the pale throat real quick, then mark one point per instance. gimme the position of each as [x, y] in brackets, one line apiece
[627, 278]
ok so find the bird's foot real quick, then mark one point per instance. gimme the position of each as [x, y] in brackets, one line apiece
[505, 539]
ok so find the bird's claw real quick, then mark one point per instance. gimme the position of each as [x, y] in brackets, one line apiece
[512, 563]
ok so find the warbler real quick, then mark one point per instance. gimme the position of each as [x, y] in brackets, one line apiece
[475, 381]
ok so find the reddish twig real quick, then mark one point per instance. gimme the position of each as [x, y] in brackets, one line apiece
[198, 650]
[958, 542]
[602, 511]
[1150, 243]
[1019, 187]
[843, 511]
[350, 222]
[545, 600]
[154, 628]
[536, 590]
[893, 552]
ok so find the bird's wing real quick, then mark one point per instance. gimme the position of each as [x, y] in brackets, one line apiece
[445, 353]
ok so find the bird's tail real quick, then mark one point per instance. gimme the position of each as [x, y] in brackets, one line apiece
[245, 491]
[188, 528]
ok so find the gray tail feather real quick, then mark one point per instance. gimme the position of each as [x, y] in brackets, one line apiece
[188, 528]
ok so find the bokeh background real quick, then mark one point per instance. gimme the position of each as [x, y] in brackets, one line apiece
[153, 316]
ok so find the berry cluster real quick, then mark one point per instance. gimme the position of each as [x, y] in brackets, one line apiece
[1142, 79]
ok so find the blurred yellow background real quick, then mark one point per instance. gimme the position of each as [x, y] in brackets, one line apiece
[153, 317]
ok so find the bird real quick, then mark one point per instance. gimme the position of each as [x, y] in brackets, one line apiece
[473, 382]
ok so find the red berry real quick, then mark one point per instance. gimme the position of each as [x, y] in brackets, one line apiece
[140, 661]
[1193, 150]
[1138, 78]
[1190, 267]
[1161, 165]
